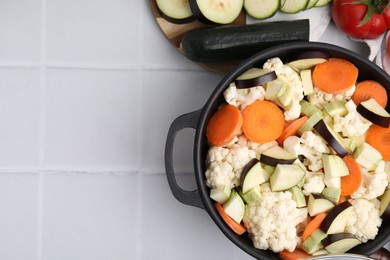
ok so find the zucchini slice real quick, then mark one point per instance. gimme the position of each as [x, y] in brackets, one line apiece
[176, 11]
[294, 6]
[216, 11]
[261, 9]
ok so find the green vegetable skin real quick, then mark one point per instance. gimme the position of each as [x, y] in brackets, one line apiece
[238, 42]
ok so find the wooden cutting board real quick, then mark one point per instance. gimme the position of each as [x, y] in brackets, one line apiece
[175, 32]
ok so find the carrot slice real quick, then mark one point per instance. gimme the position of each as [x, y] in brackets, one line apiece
[294, 255]
[335, 75]
[368, 89]
[263, 121]
[224, 125]
[313, 225]
[292, 129]
[236, 227]
[351, 183]
[379, 138]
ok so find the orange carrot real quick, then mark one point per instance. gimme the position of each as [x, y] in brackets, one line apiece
[292, 129]
[351, 183]
[224, 125]
[313, 225]
[379, 138]
[236, 227]
[335, 75]
[297, 254]
[263, 121]
[368, 89]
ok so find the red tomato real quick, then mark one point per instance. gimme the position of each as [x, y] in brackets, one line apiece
[351, 17]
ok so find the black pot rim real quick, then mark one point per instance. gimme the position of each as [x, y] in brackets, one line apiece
[199, 142]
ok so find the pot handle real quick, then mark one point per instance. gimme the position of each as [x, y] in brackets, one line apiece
[191, 198]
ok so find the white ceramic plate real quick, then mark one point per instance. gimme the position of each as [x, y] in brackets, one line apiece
[319, 18]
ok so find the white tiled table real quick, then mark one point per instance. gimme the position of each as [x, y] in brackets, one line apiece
[88, 90]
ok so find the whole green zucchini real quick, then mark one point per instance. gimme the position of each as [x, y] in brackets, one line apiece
[238, 42]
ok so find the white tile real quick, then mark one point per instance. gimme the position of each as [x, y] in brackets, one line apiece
[93, 31]
[188, 93]
[19, 117]
[91, 119]
[158, 50]
[171, 230]
[19, 216]
[20, 30]
[89, 217]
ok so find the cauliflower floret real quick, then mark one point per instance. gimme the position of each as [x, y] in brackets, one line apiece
[364, 220]
[271, 221]
[352, 124]
[314, 183]
[374, 184]
[293, 111]
[310, 146]
[275, 64]
[224, 165]
[256, 147]
[241, 98]
[320, 98]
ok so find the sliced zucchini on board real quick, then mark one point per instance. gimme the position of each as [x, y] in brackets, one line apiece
[261, 9]
[321, 3]
[238, 42]
[311, 4]
[175, 11]
[293, 6]
[216, 11]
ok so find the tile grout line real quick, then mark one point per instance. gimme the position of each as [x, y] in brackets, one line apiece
[140, 149]
[42, 129]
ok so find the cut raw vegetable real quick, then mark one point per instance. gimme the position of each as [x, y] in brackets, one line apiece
[340, 243]
[335, 76]
[298, 196]
[306, 63]
[308, 108]
[318, 203]
[313, 242]
[177, 11]
[292, 129]
[297, 254]
[224, 125]
[234, 207]
[367, 156]
[351, 183]
[322, 3]
[310, 123]
[277, 155]
[263, 121]
[287, 97]
[293, 6]
[275, 89]
[236, 227]
[238, 42]
[373, 112]
[220, 194]
[349, 144]
[336, 220]
[334, 166]
[252, 195]
[261, 9]
[286, 176]
[254, 77]
[313, 225]
[253, 175]
[332, 194]
[320, 252]
[310, 55]
[311, 4]
[307, 83]
[379, 138]
[336, 107]
[333, 182]
[331, 137]
[216, 11]
[368, 89]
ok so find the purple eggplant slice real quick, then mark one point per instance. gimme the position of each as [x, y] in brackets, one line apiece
[331, 137]
[255, 77]
[374, 113]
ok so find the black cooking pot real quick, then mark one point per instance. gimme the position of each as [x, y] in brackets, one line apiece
[198, 120]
